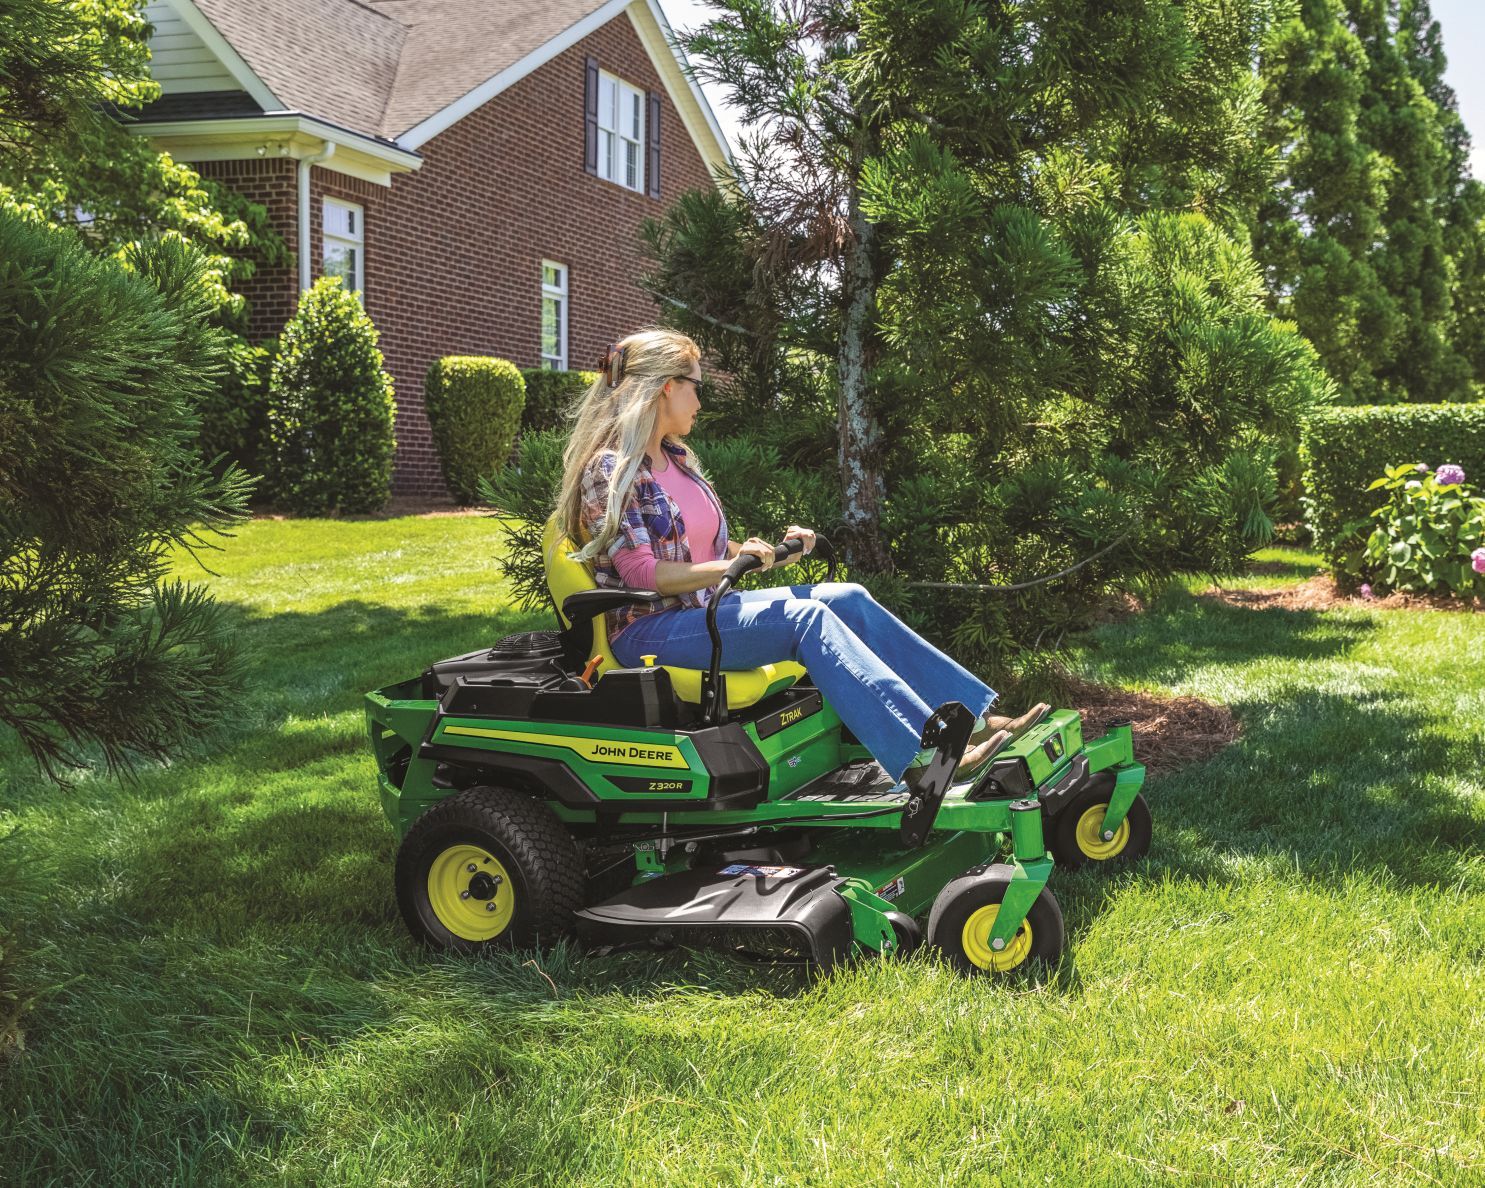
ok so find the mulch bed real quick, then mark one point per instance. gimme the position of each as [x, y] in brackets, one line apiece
[1322, 593]
[1169, 732]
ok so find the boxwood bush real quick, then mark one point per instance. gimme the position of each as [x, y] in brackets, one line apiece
[1345, 449]
[474, 406]
[549, 394]
[330, 408]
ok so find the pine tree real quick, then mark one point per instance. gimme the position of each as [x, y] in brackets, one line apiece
[1020, 208]
[1372, 226]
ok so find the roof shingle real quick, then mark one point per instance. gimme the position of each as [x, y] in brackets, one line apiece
[381, 67]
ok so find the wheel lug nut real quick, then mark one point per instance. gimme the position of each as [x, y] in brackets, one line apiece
[490, 907]
[1108, 835]
[997, 944]
[463, 894]
[471, 868]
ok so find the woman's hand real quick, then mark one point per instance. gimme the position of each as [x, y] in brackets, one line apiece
[805, 534]
[759, 548]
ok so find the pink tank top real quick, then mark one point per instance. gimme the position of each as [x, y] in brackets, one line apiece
[637, 566]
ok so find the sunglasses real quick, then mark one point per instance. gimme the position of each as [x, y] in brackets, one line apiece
[690, 379]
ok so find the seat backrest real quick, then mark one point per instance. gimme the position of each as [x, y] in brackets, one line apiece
[566, 577]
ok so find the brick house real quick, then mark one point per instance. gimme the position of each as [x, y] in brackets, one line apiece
[477, 169]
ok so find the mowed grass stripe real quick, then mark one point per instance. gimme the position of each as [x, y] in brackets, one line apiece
[1288, 990]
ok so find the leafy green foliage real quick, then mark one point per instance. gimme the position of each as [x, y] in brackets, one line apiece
[102, 367]
[550, 394]
[330, 408]
[474, 406]
[527, 493]
[1427, 535]
[1343, 449]
[71, 75]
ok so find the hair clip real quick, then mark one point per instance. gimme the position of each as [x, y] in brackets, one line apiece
[612, 363]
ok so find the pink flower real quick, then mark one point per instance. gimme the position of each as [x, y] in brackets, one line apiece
[1366, 589]
[1449, 475]
[1477, 560]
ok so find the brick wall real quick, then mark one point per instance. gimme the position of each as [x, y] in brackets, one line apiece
[454, 250]
[272, 293]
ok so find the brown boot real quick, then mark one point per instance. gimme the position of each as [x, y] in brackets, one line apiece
[1017, 726]
[977, 755]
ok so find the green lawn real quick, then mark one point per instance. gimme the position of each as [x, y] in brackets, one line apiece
[1288, 990]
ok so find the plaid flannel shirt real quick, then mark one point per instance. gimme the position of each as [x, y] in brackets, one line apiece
[650, 519]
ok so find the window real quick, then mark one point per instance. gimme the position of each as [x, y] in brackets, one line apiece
[621, 132]
[553, 316]
[345, 244]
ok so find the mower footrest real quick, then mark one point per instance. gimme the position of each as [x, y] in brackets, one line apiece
[703, 908]
[861, 784]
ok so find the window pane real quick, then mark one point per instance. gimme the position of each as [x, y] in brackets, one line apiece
[634, 113]
[551, 275]
[551, 334]
[609, 115]
[343, 260]
[631, 164]
[607, 168]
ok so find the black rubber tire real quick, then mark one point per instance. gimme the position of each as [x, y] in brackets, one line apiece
[1069, 852]
[908, 932]
[982, 887]
[538, 853]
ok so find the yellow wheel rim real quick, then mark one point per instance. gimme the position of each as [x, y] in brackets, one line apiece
[1090, 835]
[471, 893]
[976, 941]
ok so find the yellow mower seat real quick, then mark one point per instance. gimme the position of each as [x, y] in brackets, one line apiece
[745, 686]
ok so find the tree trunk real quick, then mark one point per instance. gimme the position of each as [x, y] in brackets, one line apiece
[862, 487]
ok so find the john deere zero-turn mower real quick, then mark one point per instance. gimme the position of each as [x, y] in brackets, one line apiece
[539, 788]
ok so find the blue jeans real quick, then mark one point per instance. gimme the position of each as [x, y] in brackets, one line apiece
[883, 678]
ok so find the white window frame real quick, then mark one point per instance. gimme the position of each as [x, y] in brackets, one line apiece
[622, 112]
[558, 293]
[356, 241]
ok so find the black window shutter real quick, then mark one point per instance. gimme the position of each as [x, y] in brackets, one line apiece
[590, 118]
[652, 164]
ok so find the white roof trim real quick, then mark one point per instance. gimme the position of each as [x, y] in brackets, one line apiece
[285, 122]
[229, 57]
[425, 131]
[674, 59]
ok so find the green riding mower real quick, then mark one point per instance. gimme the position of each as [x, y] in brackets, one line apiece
[539, 788]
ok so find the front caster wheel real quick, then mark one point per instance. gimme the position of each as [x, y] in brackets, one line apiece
[1078, 836]
[966, 910]
[488, 868]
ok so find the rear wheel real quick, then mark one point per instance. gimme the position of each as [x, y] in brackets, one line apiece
[488, 868]
[965, 912]
[1078, 837]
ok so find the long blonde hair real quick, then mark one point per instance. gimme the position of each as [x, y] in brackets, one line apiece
[621, 420]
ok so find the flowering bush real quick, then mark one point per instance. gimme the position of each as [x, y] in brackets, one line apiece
[1430, 534]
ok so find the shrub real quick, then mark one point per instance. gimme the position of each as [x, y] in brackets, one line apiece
[474, 407]
[549, 394]
[330, 408]
[1343, 449]
[234, 413]
[1430, 534]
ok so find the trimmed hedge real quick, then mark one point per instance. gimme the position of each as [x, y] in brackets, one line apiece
[549, 394]
[1344, 449]
[474, 406]
[330, 408]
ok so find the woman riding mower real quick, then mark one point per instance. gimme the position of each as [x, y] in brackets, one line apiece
[637, 496]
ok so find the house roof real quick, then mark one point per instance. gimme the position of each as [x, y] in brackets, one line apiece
[381, 67]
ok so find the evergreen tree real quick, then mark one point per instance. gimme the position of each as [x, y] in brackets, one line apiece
[101, 367]
[1372, 227]
[988, 214]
